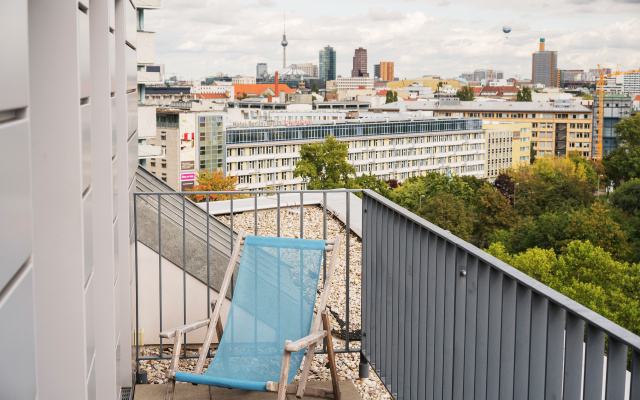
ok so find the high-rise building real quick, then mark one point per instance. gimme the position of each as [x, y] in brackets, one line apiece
[616, 107]
[386, 71]
[261, 70]
[376, 71]
[545, 66]
[360, 64]
[309, 69]
[328, 64]
[631, 83]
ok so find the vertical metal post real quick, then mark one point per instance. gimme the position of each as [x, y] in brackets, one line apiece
[324, 259]
[160, 266]
[255, 214]
[301, 215]
[231, 238]
[184, 270]
[278, 211]
[135, 244]
[208, 262]
[347, 328]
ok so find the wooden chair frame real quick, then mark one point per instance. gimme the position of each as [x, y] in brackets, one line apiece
[316, 335]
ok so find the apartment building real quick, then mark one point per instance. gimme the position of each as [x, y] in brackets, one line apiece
[354, 83]
[556, 128]
[395, 147]
[68, 145]
[508, 144]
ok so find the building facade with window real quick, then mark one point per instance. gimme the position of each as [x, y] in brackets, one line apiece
[556, 128]
[389, 148]
[327, 64]
[508, 144]
[616, 107]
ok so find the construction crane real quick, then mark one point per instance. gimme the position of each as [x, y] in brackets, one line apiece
[600, 89]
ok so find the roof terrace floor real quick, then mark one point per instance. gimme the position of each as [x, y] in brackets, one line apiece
[201, 392]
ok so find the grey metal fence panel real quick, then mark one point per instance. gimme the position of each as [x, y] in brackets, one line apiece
[470, 328]
[573, 357]
[440, 317]
[495, 334]
[431, 313]
[523, 340]
[594, 359]
[482, 331]
[507, 351]
[616, 369]
[537, 359]
[449, 315]
[635, 375]
[555, 343]
[460, 318]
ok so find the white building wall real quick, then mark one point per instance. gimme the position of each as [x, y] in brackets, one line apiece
[61, 211]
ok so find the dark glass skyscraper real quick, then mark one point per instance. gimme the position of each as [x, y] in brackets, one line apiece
[328, 64]
[360, 63]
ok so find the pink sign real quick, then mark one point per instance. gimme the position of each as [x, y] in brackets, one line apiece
[187, 177]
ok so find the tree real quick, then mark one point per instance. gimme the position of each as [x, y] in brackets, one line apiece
[323, 165]
[524, 94]
[532, 155]
[465, 93]
[505, 185]
[627, 197]
[587, 274]
[417, 189]
[370, 181]
[395, 97]
[314, 88]
[586, 96]
[492, 212]
[214, 181]
[449, 213]
[388, 97]
[623, 163]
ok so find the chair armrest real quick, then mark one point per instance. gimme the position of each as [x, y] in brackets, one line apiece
[305, 341]
[184, 329]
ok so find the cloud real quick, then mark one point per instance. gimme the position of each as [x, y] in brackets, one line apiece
[198, 38]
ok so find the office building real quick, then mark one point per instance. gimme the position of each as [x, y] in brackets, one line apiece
[556, 128]
[508, 144]
[327, 64]
[376, 71]
[360, 64]
[354, 83]
[68, 144]
[545, 66]
[388, 147]
[261, 71]
[616, 107]
[309, 69]
[386, 71]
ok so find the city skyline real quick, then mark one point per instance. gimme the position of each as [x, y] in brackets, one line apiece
[445, 39]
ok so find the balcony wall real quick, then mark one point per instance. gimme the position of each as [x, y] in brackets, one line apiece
[146, 47]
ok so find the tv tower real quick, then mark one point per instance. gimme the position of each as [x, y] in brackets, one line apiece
[284, 43]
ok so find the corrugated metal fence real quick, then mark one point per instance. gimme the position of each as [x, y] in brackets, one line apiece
[444, 320]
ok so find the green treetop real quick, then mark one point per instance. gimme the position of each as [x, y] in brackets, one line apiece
[323, 165]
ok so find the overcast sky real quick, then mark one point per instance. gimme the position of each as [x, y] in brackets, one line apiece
[197, 38]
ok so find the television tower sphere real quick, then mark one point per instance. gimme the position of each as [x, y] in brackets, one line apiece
[506, 29]
[284, 42]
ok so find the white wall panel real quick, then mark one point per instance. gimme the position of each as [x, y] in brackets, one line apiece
[114, 126]
[90, 332]
[14, 53]
[17, 346]
[84, 57]
[112, 60]
[114, 171]
[132, 117]
[85, 116]
[132, 26]
[91, 384]
[87, 212]
[131, 71]
[15, 198]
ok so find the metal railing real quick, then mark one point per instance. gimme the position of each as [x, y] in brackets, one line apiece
[177, 210]
[444, 320]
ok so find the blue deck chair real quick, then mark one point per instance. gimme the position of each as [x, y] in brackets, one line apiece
[271, 320]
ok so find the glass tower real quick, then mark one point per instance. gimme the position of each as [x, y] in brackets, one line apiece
[328, 64]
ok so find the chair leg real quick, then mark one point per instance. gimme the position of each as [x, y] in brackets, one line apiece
[171, 387]
[305, 370]
[284, 373]
[332, 359]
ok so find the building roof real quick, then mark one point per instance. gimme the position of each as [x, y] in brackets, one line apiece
[498, 90]
[382, 93]
[257, 89]
[211, 96]
[480, 106]
[637, 98]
